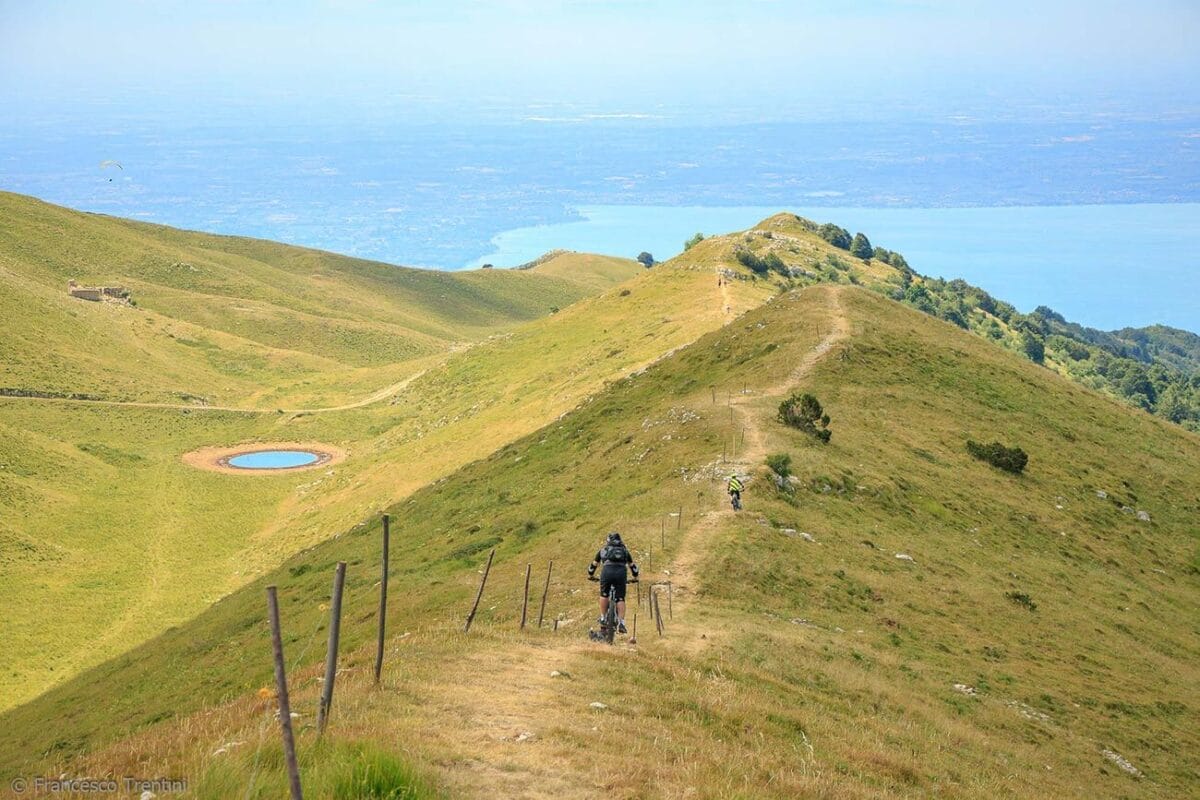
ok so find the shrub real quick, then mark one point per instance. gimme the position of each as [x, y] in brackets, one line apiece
[692, 242]
[645, 259]
[747, 258]
[780, 464]
[774, 262]
[804, 411]
[1022, 599]
[1009, 459]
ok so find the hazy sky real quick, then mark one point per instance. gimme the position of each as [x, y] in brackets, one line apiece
[623, 55]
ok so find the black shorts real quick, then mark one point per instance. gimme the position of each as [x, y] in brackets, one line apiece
[613, 576]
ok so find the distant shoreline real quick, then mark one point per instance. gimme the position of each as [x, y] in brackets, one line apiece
[1105, 265]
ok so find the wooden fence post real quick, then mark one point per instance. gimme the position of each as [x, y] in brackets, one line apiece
[670, 601]
[679, 521]
[546, 591]
[525, 601]
[662, 532]
[285, 707]
[383, 587]
[658, 621]
[475, 607]
[331, 649]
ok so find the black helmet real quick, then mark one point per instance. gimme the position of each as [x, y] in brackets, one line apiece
[614, 538]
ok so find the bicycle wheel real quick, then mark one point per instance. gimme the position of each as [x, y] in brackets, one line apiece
[610, 619]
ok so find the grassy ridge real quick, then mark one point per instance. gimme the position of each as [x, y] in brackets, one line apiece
[826, 667]
[218, 317]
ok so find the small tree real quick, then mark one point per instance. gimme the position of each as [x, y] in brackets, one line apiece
[804, 411]
[835, 235]
[695, 240]
[860, 247]
[1034, 347]
[646, 259]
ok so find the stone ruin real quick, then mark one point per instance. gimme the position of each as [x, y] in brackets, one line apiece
[98, 293]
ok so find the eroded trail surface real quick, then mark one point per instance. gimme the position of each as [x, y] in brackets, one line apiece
[519, 712]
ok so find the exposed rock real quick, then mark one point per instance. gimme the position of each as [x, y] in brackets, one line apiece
[1126, 510]
[1103, 495]
[524, 736]
[599, 706]
[905, 557]
[788, 531]
[1028, 712]
[1122, 762]
[1143, 516]
[808, 537]
[962, 688]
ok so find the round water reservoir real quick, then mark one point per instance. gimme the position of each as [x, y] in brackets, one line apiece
[274, 459]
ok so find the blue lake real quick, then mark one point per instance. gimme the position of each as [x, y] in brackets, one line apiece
[273, 459]
[1107, 266]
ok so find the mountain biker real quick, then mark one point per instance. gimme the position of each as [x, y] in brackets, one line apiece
[735, 491]
[615, 558]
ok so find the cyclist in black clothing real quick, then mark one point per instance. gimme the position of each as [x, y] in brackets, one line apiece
[615, 558]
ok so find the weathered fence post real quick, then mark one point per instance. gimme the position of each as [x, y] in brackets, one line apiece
[546, 591]
[639, 591]
[662, 532]
[475, 607]
[658, 621]
[714, 394]
[331, 650]
[525, 601]
[285, 707]
[383, 587]
[679, 521]
[670, 601]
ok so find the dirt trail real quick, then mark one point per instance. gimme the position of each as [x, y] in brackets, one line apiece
[374, 397]
[693, 548]
[726, 300]
[521, 697]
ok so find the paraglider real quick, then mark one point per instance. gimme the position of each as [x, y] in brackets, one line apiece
[110, 163]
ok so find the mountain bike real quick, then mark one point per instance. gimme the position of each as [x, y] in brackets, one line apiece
[608, 625]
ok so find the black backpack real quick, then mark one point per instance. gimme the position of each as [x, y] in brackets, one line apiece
[615, 554]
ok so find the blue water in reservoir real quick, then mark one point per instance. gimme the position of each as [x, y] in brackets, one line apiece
[273, 459]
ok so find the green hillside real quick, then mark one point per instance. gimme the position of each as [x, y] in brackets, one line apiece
[230, 321]
[101, 517]
[1036, 637]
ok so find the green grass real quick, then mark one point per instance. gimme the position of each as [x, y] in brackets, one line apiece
[102, 520]
[827, 667]
[220, 317]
